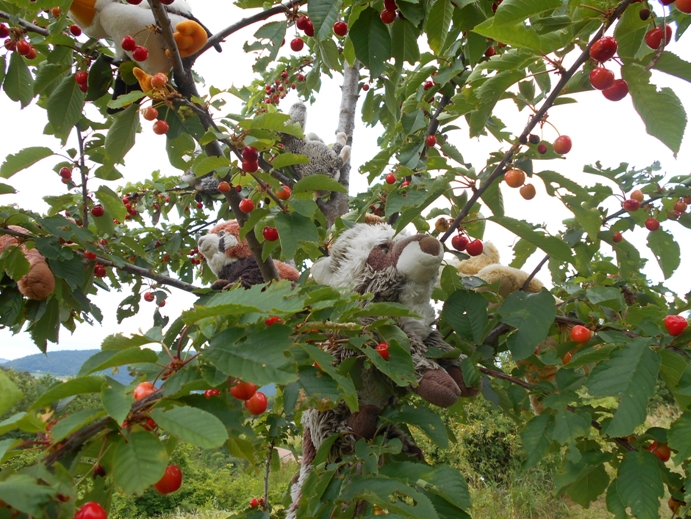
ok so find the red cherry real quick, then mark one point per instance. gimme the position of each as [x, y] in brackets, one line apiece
[580, 334]
[23, 47]
[617, 237]
[4, 31]
[91, 510]
[365, 87]
[100, 271]
[428, 84]
[566, 358]
[652, 224]
[341, 28]
[160, 127]
[270, 233]
[302, 22]
[390, 5]
[474, 248]
[65, 173]
[143, 390]
[211, 392]
[10, 44]
[383, 350]
[98, 211]
[542, 149]
[297, 44]
[256, 404]
[32, 54]
[680, 206]
[140, 53]
[90, 255]
[431, 141]
[273, 320]
[653, 38]
[250, 166]
[148, 296]
[150, 114]
[159, 80]
[254, 502]
[387, 16]
[250, 153]
[562, 144]
[200, 205]
[390, 178]
[601, 78]
[637, 194]
[171, 480]
[491, 51]
[603, 49]
[514, 178]
[618, 91]
[631, 205]
[75, 30]
[128, 44]
[405, 184]
[527, 191]
[309, 30]
[246, 205]
[459, 242]
[675, 324]
[284, 193]
[134, 2]
[83, 87]
[684, 6]
[243, 390]
[660, 450]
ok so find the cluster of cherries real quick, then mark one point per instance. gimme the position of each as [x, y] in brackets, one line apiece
[139, 53]
[515, 178]
[388, 15]
[601, 78]
[65, 175]
[20, 46]
[303, 23]
[276, 92]
[254, 502]
[462, 243]
[255, 401]
[633, 204]
[196, 257]
[149, 298]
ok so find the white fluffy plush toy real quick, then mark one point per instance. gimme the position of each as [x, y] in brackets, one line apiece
[113, 21]
[323, 159]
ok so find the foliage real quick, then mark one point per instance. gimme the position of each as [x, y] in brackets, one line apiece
[595, 407]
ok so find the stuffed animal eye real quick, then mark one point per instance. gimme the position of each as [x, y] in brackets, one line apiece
[384, 248]
[222, 233]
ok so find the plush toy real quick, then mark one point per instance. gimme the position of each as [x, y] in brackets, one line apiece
[39, 282]
[403, 269]
[231, 259]
[112, 20]
[323, 159]
[486, 266]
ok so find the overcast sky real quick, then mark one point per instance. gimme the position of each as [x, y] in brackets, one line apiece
[600, 130]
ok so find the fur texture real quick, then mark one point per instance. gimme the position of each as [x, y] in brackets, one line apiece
[111, 20]
[323, 159]
[39, 282]
[231, 259]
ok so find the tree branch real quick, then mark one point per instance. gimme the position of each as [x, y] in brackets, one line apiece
[83, 171]
[534, 273]
[26, 25]
[265, 507]
[535, 119]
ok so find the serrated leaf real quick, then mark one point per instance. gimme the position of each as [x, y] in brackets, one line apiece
[208, 164]
[591, 482]
[614, 504]
[537, 437]
[111, 202]
[679, 437]
[404, 44]
[512, 11]
[117, 400]
[438, 23]
[666, 251]
[118, 341]
[589, 218]
[19, 83]
[671, 64]
[521, 36]
[112, 358]
[138, 462]
[276, 122]
[75, 386]
[661, 110]
[289, 159]
[570, 426]
[65, 107]
[23, 159]
[73, 422]
[555, 247]
[25, 494]
[411, 502]
[630, 374]
[532, 315]
[9, 393]
[371, 41]
[466, 312]
[639, 484]
[293, 229]
[15, 263]
[323, 14]
[121, 135]
[424, 418]
[192, 425]
[318, 183]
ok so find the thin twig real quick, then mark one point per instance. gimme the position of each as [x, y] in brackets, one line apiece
[265, 506]
[534, 273]
[83, 171]
[26, 25]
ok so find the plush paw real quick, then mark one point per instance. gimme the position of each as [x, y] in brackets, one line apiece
[466, 391]
[364, 422]
[190, 37]
[438, 388]
[220, 284]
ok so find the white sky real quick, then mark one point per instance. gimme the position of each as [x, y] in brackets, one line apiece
[600, 130]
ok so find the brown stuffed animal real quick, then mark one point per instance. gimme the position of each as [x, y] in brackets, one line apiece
[231, 259]
[39, 282]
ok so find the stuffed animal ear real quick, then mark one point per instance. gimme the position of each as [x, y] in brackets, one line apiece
[321, 271]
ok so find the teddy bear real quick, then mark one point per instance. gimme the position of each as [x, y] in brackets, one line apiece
[39, 282]
[370, 259]
[231, 259]
[488, 268]
[114, 21]
[323, 159]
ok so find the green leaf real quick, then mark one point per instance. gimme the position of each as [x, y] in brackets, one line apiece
[673, 65]
[614, 504]
[139, 461]
[666, 251]
[112, 358]
[5, 189]
[19, 83]
[118, 341]
[590, 483]
[73, 422]
[9, 393]
[323, 14]
[47, 328]
[23, 493]
[404, 44]
[629, 373]
[15, 263]
[289, 159]
[293, 229]
[521, 36]
[65, 107]
[192, 425]
[111, 202]
[531, 315]
[589, 218]
[257, 358]
[512, 11]
[318, 183]
[661, 110]
[207, 164]
[23, 159]
[371, 40]
[424, 418]
[377, 490]
[438, 23]
[117, 400]
[121, 135]
[75, 386]
[570, 426]
[276, 122]
[680, 438]
[537, 438]
[639, 484]
[555, 247]
[466, 312]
